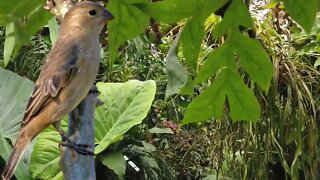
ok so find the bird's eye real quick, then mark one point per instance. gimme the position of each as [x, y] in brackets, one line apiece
[92, 12]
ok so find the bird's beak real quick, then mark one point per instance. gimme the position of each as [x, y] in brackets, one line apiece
[108, 16]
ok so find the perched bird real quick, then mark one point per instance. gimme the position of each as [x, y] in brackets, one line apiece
[66, 76]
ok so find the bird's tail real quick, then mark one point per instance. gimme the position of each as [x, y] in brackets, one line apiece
[14, 159]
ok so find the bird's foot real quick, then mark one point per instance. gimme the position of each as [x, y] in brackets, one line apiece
[79, 148]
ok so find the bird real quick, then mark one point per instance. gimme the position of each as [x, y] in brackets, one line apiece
[66, 76]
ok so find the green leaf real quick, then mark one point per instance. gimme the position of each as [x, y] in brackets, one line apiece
[25, 7]
[215, 61]
[191, 39]
[148, 147]
[236, 15]
[317, 63]
[163, 10]
[304, 12]
[59, 176]
[115, 161]
[46, 154]
[255, 60]
[194, 30]
[54, 30]
[15, 92]
[156, 130]
[208, 104]
[7, 6]
[129, 22]
[243, 104]
[37, 19]
[22, 170]
[8, 44]
[177, 75]
[125, 105]
[188, 88]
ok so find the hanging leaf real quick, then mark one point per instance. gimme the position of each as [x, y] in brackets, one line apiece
[215, 61]
[162, 10]
[304, 12]
[8, 44]
[128, 23]
[191, 39]
[177, 75]
[54, 30]
[255, 60]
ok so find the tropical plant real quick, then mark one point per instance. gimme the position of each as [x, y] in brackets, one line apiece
[255, 80]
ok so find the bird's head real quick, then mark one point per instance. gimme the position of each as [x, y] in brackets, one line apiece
[87, 16]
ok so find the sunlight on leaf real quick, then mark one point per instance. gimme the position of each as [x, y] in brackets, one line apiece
[125, 105]
[46, 153]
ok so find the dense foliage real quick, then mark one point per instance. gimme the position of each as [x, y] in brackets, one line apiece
[243, 72]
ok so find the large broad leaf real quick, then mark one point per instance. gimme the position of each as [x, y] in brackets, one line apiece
[125, 105]
[129, 22]
[115, 161]
[15, 92]
[304, 12]
[46, 154]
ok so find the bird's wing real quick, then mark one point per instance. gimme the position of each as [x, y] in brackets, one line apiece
[56, 72]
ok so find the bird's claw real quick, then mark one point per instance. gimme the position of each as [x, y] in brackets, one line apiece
[79, 148]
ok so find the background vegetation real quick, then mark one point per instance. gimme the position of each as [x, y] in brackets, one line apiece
[244, 73]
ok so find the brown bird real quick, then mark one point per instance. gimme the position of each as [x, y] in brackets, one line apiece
[66, 76]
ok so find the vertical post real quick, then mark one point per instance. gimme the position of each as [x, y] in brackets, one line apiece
[77, 166]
